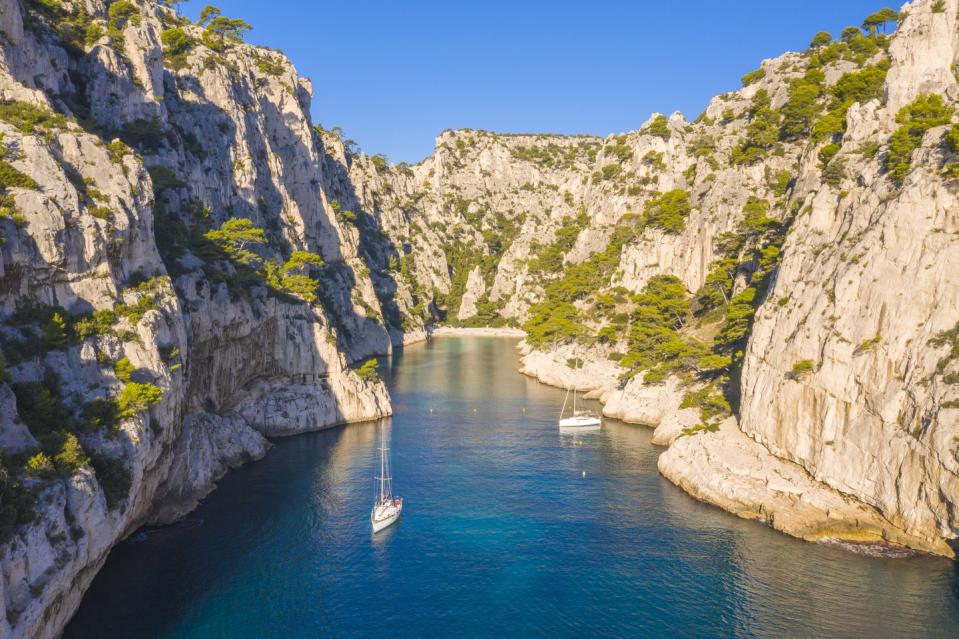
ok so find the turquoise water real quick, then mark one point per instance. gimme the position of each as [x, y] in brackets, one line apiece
[501, 536]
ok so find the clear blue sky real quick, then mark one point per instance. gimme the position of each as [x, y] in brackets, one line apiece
[395, 74]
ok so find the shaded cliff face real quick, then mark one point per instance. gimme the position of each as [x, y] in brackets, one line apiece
[175, 284]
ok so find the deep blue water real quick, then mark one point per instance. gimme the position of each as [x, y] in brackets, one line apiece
[501, 536]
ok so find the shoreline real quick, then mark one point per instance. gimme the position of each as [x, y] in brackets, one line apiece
[454, 331]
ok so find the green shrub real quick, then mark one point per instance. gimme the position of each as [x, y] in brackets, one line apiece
[868, 345]
[369, 372]
[828, 152]
[950, 340]
[11, 177]
[29, 118]
[220, 31]
[800, 368]
[71, 457]
[608, 172]
[859, 86]
[177, 45]
[754, 76]
[114, 479]
[762, 133]
[40, 407]
[655, 160]
[137, 398]
[99, 414]
[97, 323]
[123, 369]
[821, 39]
[802, 105]
[41, 466]
[738, 321]
[149, 295]
[270, 66]
[119, 13]
[621, 151]
[928, 111]
[835, 172]
[879, 20]
[710, 401]
[292, 276]
[551, 322]
[668, 211]
[950, 171]
[16, 504]
[118, 150]
[703, 146]
[55, 333]
[549, 259]
[656, 345]
[380, 163]
[658, 127]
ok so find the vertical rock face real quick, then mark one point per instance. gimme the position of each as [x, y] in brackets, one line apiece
[871, 279]
[120, 164]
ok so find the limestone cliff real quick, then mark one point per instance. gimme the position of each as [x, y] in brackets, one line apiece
[175, 283]
[810, 218]
[189, 265]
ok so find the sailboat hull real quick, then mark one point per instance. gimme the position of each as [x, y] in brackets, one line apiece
[584, 421]
[386, 514]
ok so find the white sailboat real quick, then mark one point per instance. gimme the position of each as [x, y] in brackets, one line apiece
[580, 419]
[386, 508]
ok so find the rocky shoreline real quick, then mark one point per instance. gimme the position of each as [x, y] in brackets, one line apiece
[728, 469]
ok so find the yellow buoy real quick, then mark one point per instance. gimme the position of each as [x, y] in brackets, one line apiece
[584, 473]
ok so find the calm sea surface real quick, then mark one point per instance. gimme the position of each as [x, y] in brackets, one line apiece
[502, 536]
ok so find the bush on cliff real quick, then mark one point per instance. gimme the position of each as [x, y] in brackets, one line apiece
[16, 504]
[369, 371]
[136, 398]
[928, 111]
[114, 479]
[668, 211]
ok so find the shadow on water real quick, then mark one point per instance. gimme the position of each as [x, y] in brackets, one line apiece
[509, 529]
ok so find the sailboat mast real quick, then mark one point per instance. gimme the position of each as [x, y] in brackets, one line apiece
[382, 465]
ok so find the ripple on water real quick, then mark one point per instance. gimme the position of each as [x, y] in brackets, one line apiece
[502, 535]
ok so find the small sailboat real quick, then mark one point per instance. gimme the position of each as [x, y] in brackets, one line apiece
[386, 508]
[580, 419]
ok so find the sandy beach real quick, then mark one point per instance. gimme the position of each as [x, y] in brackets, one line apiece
[452, 331]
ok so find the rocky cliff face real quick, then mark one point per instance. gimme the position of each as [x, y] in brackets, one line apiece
[190, 265]
[800, 361]
[149, 345]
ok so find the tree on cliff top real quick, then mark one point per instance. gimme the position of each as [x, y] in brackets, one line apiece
[206, 14]
[879, 20]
